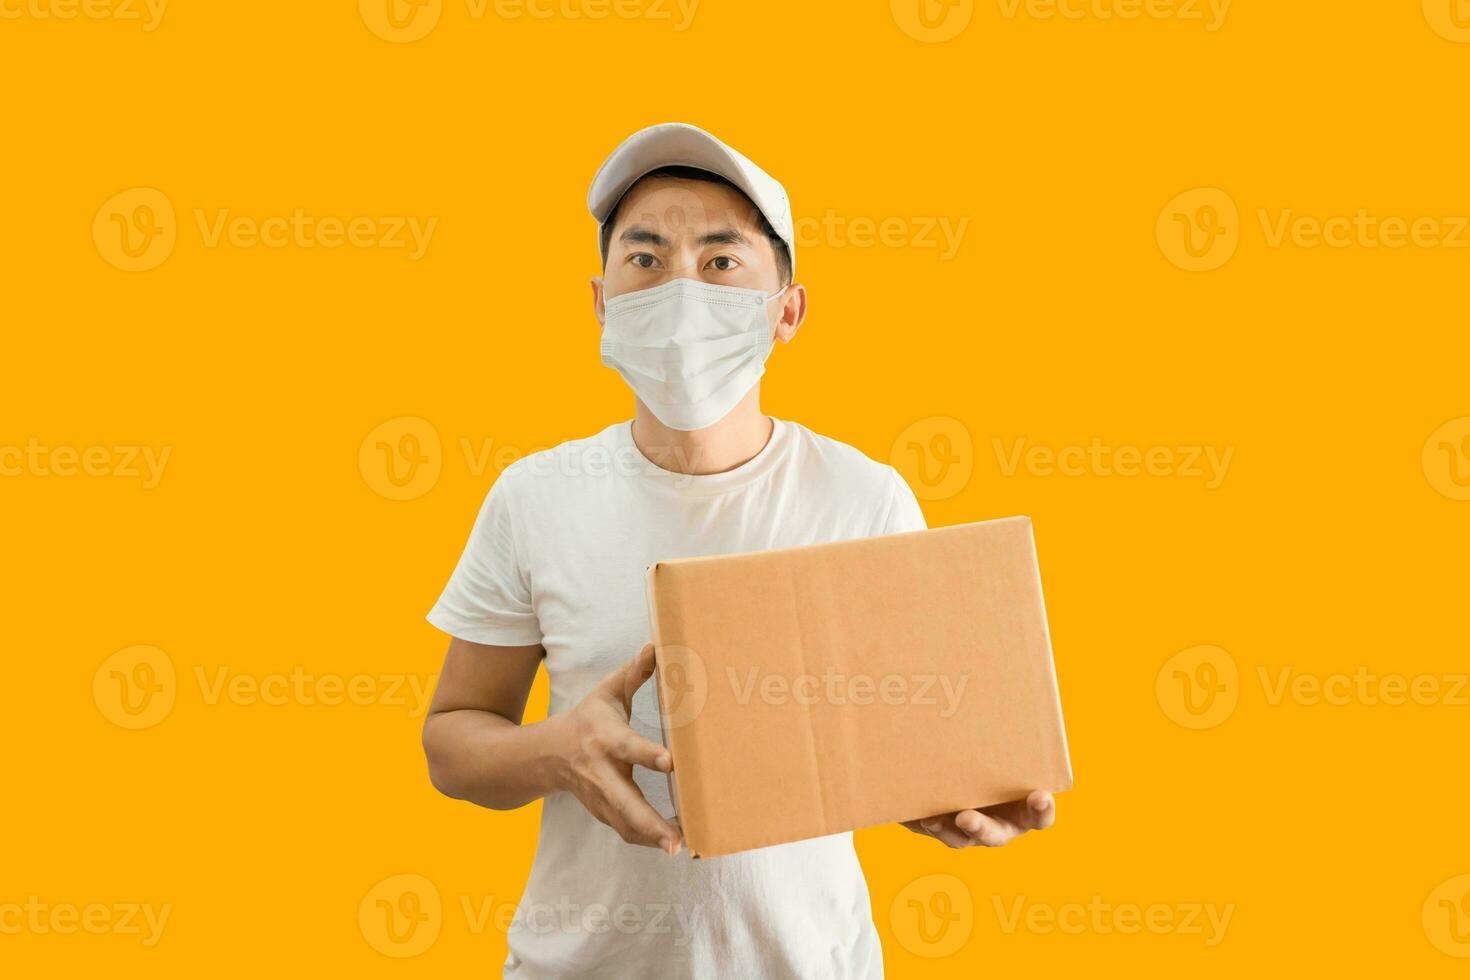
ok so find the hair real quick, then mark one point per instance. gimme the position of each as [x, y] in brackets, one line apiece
[783, 253]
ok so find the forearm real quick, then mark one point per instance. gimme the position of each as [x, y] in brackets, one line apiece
[493, 762]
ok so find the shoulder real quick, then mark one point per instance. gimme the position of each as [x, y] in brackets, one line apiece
[556, 470]
[865, 493]
[850, 467]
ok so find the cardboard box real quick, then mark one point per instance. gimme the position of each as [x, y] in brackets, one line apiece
[810, 691]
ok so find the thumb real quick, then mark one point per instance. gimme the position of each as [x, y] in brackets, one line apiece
[636, 672]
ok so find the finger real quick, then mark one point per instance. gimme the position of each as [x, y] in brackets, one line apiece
[985, 830]
[1041, 810]
[636, 750]
[638, 670]
[641, 822]
[1033, 813]
[915, 827]
[943, 829]
[615, 683]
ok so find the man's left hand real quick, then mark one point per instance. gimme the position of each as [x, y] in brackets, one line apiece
[989, 826]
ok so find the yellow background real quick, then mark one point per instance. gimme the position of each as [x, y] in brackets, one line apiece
[1335, 540]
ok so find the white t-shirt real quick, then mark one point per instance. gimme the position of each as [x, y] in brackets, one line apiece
[557, 557]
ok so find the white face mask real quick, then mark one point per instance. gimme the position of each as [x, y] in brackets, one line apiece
[690, 350]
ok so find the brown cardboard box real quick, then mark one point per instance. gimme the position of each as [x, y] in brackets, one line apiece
[815, 690]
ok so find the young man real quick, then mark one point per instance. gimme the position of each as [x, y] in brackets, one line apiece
[697, 286]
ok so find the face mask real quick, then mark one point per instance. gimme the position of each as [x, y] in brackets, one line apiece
[688, 349]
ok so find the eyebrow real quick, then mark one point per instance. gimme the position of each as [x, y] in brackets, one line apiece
[644, 236]
[726, 236]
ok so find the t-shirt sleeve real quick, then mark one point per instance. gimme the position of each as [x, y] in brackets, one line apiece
[903, 508]
[488, 598]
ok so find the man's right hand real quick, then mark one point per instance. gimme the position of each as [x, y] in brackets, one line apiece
[600, 751]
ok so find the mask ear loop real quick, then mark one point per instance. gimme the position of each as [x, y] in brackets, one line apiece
[769, 343]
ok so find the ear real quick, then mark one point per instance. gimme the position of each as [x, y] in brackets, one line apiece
[792, 313]
[599, 307]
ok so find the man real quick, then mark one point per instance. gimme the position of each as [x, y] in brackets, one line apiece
[697, 286]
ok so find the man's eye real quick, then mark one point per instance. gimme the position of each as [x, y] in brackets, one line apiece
[723, 263]
[644, 261]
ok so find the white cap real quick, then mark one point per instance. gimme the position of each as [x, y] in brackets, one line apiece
[682, 145]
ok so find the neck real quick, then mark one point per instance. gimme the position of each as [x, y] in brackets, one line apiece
[735, 439]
